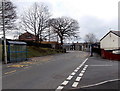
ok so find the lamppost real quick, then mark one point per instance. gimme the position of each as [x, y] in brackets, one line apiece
[4, 38]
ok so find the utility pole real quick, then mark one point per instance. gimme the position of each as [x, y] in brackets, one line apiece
[49, 33]
[4, 38]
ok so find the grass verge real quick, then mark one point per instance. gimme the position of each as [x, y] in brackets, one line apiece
[38, 51]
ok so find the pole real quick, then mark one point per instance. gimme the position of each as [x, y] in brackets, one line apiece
[49, 34]
[4, 38]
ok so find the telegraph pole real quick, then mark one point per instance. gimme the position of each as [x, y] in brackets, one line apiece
[4, 38]
[49, 33]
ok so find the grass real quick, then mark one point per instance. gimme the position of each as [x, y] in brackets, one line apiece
[38, 51]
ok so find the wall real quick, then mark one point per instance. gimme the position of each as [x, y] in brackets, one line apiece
[109, 55]
[27, 36]
[110, 42]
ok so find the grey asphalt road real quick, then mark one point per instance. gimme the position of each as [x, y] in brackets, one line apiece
[101, 75]
[67, 71]
[45, 75]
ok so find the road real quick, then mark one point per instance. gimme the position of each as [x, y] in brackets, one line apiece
[72, 70]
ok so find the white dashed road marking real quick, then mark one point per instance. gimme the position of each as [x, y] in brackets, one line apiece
[75, 70]
[65, 83]
[70, 77]
[73, 73]
[86, 65]
[81, 74]
[75, 84]
[78, 79]
[59, 88]
[82, 71]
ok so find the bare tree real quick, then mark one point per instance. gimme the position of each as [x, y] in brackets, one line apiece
[36, 19]
[49, 34]
[90, 38]
[65, 27]
[9, 15]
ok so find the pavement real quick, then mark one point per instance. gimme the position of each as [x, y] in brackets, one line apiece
[74, 70]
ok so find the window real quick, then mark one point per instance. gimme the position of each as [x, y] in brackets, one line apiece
[28, 37]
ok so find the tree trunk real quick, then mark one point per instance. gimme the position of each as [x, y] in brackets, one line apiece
[40, 38]
[61, 40]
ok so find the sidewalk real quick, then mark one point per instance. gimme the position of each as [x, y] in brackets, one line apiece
[24, 64]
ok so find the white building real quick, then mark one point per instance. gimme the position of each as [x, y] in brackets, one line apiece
[111, 41]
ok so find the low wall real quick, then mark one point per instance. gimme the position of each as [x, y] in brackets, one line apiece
[109, 55]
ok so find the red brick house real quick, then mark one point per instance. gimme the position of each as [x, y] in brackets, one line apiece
[27, 37]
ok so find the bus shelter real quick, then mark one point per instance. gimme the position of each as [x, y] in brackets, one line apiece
[16, 51]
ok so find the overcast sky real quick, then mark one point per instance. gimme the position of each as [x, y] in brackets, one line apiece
[94, 16]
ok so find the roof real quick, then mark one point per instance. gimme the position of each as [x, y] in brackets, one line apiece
[27, 33]
[114, 32]
[17, 42]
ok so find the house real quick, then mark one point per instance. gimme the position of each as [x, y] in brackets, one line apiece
[111, 41]
[76, 46]
[67, 46]
[81, 46]
[27, 37]
[110, 45]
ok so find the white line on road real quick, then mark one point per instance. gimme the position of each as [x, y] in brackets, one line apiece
[85, 68]
[100, 65]
[75, 70]
[75, 84]
[65, 83]
[81, 74]
[78, 79]
[59, 88]
[73, 73]
[70, 77]
[86, 65]
[83, 63]
[82, 71]
[100, 83]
